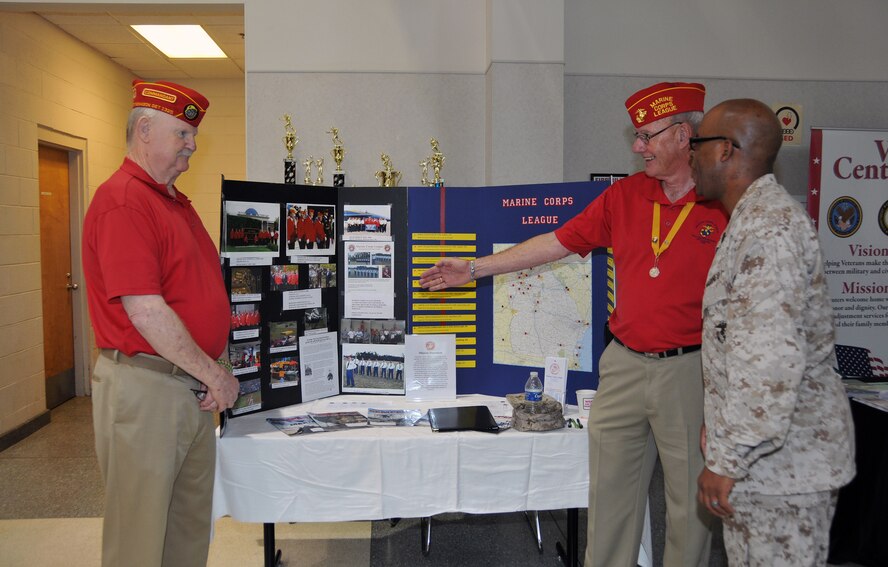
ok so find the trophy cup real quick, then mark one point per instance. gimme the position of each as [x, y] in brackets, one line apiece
[338, 153]
[320, 163]
[290, 141]
[307, 165]
[437, 162]
[388, 177]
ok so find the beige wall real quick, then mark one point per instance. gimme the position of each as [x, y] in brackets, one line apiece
[51, 81]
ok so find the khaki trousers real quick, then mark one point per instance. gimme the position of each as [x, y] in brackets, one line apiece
[157, 454]
[645, 406]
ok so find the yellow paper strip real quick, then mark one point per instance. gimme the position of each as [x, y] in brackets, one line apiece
[443, 329]
[463, 341]
[443, 248]
[465, 364]
[443, 236]
[429, 260]
[466, 352]
[444, 294]
[442, 318]
[444, 307]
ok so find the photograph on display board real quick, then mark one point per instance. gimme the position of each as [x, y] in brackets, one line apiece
[245, 320]
[321, 275]
[372, 369]
[310, 229]
[246, 284]
[283, 336]
[251, 229]
[367, 222]
[355, 331]
[284, 278]
[315, 320]
[387, 332]
[284, 372]
[249, 397]
[244, 357]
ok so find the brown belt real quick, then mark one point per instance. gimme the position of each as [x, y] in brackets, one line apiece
[146, 361]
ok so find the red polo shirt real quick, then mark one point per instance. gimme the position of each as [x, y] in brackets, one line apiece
[651, 314]
[138, 240]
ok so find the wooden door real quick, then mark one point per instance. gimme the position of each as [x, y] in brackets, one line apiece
[55, 267]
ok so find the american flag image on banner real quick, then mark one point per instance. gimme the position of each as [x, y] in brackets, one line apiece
[859, 362]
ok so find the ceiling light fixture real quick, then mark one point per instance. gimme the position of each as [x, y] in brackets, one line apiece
[181, 42]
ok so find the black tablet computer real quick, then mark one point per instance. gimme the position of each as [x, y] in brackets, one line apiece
[463, 418]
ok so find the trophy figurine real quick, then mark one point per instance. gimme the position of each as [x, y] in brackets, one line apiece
[290, 141]
[338, 153]
[424, 180]
[388, 177]
[437, 162]
[320, 163]
[307, 165]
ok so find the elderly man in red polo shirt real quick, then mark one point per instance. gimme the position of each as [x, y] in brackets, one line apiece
[650, 391]
[161, 318]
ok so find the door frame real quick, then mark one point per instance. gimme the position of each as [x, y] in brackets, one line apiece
[78, 194]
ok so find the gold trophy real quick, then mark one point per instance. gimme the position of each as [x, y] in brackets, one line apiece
[388, 177]
[290, 141]
[320, 163]
[437, 162]
[307, 165]
[338, 153]
[424, 165]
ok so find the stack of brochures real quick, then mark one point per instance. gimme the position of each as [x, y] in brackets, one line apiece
[319, 422]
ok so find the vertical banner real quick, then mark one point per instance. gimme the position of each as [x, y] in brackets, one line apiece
[508, 325]
[848, 200]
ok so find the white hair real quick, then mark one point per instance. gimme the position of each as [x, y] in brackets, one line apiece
[134, 116]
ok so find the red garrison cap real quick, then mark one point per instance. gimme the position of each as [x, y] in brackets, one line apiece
[185, 104]
[664, 99]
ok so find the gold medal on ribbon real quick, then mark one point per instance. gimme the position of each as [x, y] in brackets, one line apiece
[659, 248]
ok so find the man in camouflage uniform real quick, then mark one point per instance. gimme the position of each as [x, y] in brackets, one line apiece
[778, 436]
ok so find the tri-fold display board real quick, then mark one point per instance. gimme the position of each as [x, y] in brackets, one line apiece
[324, 286]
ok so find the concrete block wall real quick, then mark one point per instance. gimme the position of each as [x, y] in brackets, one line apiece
[51, 81]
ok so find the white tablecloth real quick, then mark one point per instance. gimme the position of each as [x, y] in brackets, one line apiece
[265, 476]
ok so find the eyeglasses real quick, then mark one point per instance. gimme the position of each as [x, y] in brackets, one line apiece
[201, 395]
[694, 142]
[645, 138]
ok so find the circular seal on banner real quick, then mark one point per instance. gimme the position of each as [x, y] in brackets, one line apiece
[844, 216]
[191, 112]
[883, 218]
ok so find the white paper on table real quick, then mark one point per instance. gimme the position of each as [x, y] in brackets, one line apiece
[430, 367]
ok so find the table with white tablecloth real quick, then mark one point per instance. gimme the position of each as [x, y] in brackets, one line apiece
[265, 476]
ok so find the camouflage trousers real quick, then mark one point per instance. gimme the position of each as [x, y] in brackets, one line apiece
[779, 530]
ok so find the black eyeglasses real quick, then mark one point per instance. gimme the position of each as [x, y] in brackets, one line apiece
[645, 138]
[694, 142]
[201, 395]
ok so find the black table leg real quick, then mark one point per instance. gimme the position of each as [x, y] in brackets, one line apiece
[272, 557]
[570, 557]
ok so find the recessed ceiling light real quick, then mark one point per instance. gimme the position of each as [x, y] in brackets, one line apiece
[181, 42]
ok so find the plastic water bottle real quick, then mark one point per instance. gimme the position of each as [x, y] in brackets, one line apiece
[533, 391]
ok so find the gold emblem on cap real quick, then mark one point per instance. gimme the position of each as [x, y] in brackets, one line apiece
[640, 114]
[160, 95]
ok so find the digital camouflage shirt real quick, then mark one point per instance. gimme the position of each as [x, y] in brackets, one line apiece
[777, 417]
